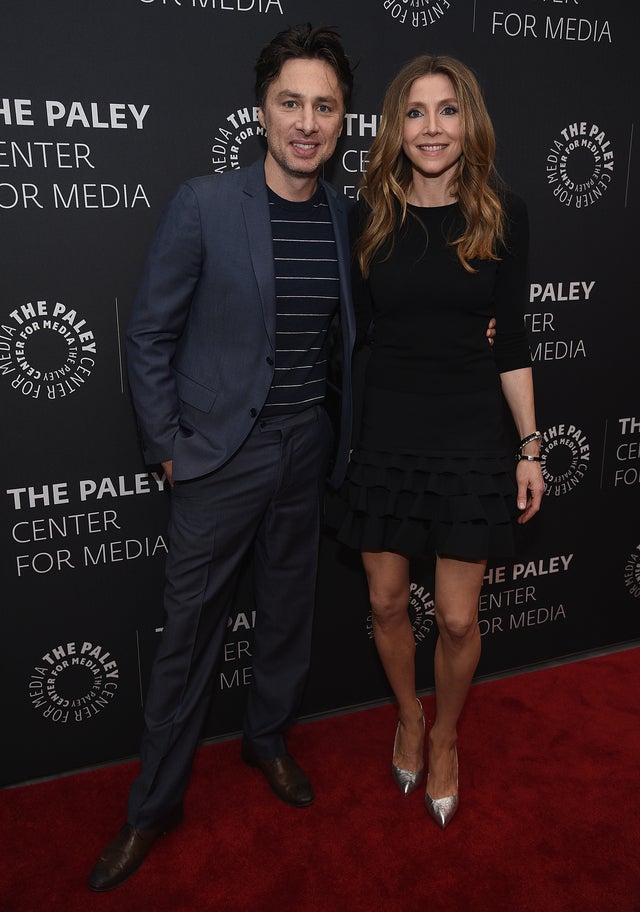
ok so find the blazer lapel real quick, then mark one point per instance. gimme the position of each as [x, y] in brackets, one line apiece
[338, 208]
[255, 206]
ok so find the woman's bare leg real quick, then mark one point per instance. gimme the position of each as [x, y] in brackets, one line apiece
[457, 590]
[388, 579]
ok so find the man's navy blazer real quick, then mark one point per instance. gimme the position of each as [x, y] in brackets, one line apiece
[202, 334]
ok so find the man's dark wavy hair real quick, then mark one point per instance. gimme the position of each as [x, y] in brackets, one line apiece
[303, 42]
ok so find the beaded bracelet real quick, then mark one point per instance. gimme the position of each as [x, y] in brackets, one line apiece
[537, 435]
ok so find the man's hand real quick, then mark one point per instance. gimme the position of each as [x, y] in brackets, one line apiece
[491, 330]
[167, 468]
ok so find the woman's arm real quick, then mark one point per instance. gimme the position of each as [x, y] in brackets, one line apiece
[517, 386]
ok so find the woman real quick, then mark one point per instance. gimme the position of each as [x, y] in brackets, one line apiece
[439, 248]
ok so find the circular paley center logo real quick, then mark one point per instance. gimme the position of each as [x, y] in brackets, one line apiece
[580, 165]
[421, 612]
[632, 573]
[73, 682]
[46, 350]
[416, 13]
[564, 458]
[237, 143]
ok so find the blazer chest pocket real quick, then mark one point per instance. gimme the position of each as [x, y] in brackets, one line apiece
[195, 394]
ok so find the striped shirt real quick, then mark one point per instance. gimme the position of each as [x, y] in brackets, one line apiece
[307, 295]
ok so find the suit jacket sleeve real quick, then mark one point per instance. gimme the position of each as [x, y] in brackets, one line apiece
[160, 310]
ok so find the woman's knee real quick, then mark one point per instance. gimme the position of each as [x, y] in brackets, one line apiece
[459, 627]
[388, 608]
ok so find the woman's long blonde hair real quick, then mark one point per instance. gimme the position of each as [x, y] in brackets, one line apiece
[475, 181]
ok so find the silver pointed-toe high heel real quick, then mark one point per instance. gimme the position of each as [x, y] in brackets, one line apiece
[442, 810]
[406, 780]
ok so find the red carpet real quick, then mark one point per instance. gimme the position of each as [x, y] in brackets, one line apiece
[548, 821]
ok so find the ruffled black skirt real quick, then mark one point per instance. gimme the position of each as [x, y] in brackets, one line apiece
[454, 505]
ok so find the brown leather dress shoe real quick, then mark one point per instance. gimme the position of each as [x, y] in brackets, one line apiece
[125, 854]
[287, 780]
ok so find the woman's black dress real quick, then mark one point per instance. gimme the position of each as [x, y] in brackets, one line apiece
[432, 468]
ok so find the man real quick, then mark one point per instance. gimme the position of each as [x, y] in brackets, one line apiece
[226, 357]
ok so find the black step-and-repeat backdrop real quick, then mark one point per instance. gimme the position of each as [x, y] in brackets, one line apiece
[104, 108]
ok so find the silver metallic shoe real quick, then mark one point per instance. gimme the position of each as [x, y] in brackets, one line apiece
[406, 780]
[442, 810]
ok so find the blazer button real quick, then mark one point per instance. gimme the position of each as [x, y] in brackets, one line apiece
[253, 413]
[270, 362]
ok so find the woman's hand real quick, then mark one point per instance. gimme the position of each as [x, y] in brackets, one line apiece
[530, 488]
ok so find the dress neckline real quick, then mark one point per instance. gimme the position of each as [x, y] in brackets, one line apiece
[428, 208]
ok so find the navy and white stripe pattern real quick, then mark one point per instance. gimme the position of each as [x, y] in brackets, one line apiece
[307, 295]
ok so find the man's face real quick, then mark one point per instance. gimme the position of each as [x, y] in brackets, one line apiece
[303, 115]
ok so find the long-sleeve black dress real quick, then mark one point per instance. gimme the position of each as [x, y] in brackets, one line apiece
[431, 469]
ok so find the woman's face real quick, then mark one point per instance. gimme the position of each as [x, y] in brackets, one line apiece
[432, 129]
